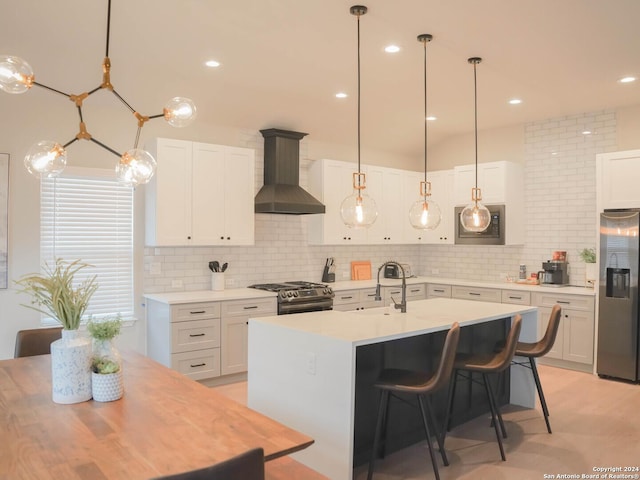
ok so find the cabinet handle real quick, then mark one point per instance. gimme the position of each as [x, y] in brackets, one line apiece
[196, 334]
[515, 298]
[564, 303]
[438, 290]
[189, 238]
[415, 290]
[474, 293]
[371, 295]
[221, 238]
[346, 298]
[198, 365]
[395, 292]
[228, 238]
[252, 307]
[197, 312]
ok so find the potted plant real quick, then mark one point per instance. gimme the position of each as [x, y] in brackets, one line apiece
[588, 256]
[56, 293]
[106, 365]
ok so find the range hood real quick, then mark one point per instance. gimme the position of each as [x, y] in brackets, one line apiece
[281, 192]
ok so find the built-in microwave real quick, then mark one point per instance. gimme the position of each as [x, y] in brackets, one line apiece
[493, 235]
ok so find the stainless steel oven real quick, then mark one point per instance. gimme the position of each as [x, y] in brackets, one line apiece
[300, 297]
[493, 235]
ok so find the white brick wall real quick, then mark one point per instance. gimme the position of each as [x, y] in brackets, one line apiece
[561, 211]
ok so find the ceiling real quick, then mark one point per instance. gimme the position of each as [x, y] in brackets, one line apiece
[284, 60]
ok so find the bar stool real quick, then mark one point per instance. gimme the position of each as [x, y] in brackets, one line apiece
[487, 363]
[420, 384]
[246, 466]
[539, 349]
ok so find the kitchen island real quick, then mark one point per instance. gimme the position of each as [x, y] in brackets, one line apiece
[313, 371]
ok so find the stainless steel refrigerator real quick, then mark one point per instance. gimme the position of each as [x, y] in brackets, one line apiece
[618, 322]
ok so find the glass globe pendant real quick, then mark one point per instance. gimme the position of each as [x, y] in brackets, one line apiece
[425, 214]
[475, 217]
[46, 159]
[358, 210]
[16, 75]
[136, 167]
[179, 112]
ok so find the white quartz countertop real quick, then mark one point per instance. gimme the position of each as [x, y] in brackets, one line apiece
[209, 295]
[377, 324]
[359, 284]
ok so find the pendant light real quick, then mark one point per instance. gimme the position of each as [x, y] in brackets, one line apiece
[475, 217]
[358, 210]
[48, 158]
[425, 214]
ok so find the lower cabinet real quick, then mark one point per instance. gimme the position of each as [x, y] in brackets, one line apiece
[234, 328]
[205, 339]
[477, 293]
[574, 341]
[357, 299]
[435, 290]
[414, 292]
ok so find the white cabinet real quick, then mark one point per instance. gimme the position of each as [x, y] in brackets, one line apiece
[617, 176]
[480, 294]
[574, 341]
[435, 290]
[501, 183]
[385, 187]
[234, 321]
[201, 194]
[331, 181]
[413, 292]
[185, 337]
[357, 299]
[441, 193]
[517, 297]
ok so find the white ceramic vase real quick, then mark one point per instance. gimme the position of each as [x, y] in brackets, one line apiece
[107, 387]
[71, 368]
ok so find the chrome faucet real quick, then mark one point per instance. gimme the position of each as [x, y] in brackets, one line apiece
[402, 306]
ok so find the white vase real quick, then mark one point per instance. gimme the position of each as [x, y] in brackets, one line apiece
[71, 368]
[107, 387]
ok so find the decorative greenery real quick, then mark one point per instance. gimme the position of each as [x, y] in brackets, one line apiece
[588, 255]
[104, 365]
[53, 293]
[106, 329]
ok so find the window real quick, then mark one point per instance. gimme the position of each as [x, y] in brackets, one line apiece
[86, 214]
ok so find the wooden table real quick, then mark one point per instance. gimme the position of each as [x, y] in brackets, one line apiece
[165, 423]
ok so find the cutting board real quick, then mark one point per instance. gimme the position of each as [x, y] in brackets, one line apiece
[361, 270]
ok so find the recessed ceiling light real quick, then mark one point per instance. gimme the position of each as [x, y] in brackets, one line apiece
[627, 79]
[212, 63]
[341, 95]
[515, 101]
[431, 118]
[392, 49]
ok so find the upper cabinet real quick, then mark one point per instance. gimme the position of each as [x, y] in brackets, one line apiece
[385, 185]
[617, 174]
[501, 183]
[201, 194]
[331, 181]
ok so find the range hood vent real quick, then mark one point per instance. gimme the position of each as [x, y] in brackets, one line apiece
[281, 192]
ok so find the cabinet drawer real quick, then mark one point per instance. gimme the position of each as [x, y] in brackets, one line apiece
[575, 302]
[414, 292]
[517, 297]
[347, 296]
[438, 290]
[195, 335]
[251, 307]
[479, 294]
[197, 365]
[194, 311]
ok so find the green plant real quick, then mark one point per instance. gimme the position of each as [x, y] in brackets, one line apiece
[104, 365]
[588, 255]
[53, 293]
[106, 329]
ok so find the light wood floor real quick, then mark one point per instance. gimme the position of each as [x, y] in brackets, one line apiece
[595, 422]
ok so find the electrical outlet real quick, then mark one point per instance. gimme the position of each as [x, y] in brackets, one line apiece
[176, 283]
[311, 363]
[435, 271]
[230, 282]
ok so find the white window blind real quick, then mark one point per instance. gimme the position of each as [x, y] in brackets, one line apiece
[87, 215]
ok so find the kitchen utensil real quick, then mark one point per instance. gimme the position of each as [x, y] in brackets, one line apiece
[224, 266]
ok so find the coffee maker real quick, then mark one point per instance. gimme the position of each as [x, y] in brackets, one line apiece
[554, 273]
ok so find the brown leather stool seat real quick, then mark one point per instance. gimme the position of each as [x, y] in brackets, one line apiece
[36, 341]
[539, 349]
[420, 384]
[246, 466]
[485, 364]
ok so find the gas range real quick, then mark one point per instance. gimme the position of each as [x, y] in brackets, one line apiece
[300, 297]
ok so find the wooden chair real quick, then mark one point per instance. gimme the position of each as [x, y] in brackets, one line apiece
[485, 364]
[420, 384]
[539, 349]
[246, 466]
[36, 341]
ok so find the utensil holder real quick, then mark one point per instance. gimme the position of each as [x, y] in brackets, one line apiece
[328, 277]
[217, 281]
